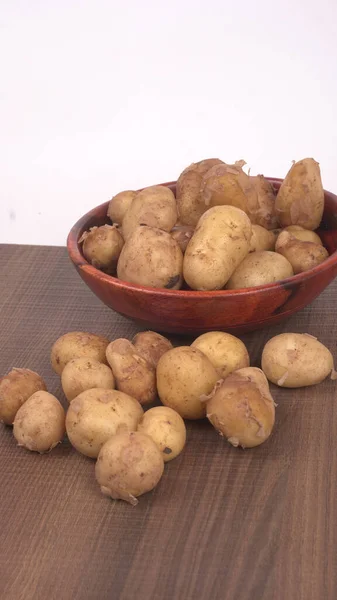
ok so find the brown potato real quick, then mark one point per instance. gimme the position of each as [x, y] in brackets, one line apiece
[77, 344]
[300, 199]
[262, 239]
[260, 268]
[82, 374]
[182, 235]
[302, 256]
[134, 375]
[15, 389]
[119, 204]
[189, 199]
[305, 235]
[152, 258]
[263, 212]
[228, 185]
[167, 429]
[225, 351]
[102, 247]
[154, 206]
[151, 346]
[39, 423]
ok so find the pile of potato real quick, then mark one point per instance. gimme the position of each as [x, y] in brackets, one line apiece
[224, 229]
[111, 388]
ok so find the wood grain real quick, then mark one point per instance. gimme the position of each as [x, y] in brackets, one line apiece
[223, 523]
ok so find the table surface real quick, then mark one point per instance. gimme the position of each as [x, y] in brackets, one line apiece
[223, 523]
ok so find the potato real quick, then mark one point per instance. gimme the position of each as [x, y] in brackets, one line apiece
[119, 204]
[225, 351]
[154, 206]
[260, 268]
[228, 185]
[77, 344]
[102, 247]
[129, 465]
[152, 258]
[302, 256]
[184, 377]
[15, 389]
[295, 360]
[134, 375]
[242, 409]
[263, 212]
[300, 199]
[98, 414]
[82, 374]
[151, 346]
[305, 235]
[167, 429]
[182, 235]
[219, 244]
[39, 423]
[262, 239]
[189, 199]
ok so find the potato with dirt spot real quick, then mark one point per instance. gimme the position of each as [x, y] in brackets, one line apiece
[82, 374]
[119, 204]
[263, 212]
[182, 235]
[134, 375]
[96, 415]
[190, 202]
[129, 465]
[225, 351]
[262, 239]
[154, 206]
[77, 344]
[39, 423]
[151, 257]
[167, 429]
[228, 185]
[184, 376]
[305, 235]
[15, 389]
[260, 268]
[242, 409]
[102, 247]
[302, 256]
[151, 346]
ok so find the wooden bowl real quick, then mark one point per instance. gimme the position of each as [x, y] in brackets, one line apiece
[191, 312]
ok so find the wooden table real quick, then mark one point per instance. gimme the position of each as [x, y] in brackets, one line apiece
[222, 524]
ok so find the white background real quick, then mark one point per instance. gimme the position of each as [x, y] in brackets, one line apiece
[96, 97]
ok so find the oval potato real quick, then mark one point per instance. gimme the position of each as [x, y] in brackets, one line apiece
[225, 351]
[262, 239]
[39, 423]
[154, 206]
[260, 268]
[133, 373]
[190, 202]
[151, 346]
[15, 389]
[82, 374]
[102, 247]
[167, 429]
[305, 235]
[302, 256]
[77, 344]
[119, 204]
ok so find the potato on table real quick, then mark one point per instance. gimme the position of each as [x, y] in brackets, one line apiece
[190, 202]
[260, 268]
[119, 204]
[154, 206]
[82, 374]
[15, 389]
[167, 429]
[102, 247]
[39, 423]
[134, 375]
[225, 351]
[302, 256]
[151, 345]
[77, 344]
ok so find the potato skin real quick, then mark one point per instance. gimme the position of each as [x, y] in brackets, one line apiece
[302, 256]
[228, 185]
[300, 199]
[82, 374]
[182, 235]
[77, 344]
[242, 409]
[98, 414]
[263, 213]
[154, 206]
[184, 376]
[151, 346]
[305, 235]
[119, 204]
[295, 360]
[15, 389]
[262, 239]
[102, 247]
[220, 242]
[152, 258]
[134, 375]
[260, 268]
[190, 202]
[129, 465]
[225, 351]
[167, 429]
[39, 423]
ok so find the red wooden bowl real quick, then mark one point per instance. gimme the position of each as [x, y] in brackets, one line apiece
[185, 311]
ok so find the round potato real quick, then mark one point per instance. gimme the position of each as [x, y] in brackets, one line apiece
[190, 202]
[39, 423]
[262, 239]
[77, 344]
[219, 244]
[151, 346]
[260, 268]
[305, 235]
[184, 377]
[153, 258]
[134, 375]
[102, 247]
[129, 465]
[96, 415]
[242, 409]
[82, 374]
[302, 256]
[295, 360]
[182, 235]
[119, 204]
[15, 389]
[167, 429]
[225, 351]
[154, 206]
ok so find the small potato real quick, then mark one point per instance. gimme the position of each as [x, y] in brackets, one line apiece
[228, 185]
[242, 409]
[15, 389]
[262, 239]
[98, 414]
[263, 213]
[82, 374]
[260, 268]
[295, 360]
[302, 256]
[190, 202]
[182, 235]
[184, 377]
[119, 204]
[102, 247]
[219, 244]
[300, 199]
[225, 351]
[151, 257]
[129, 465]
[134, 375]
[151, 346]
[77, 344]
[305, 235]
[154, 206]
[167, 429]
[39, 423]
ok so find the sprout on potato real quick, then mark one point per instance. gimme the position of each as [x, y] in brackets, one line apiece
[15, 389]
[167, 429]
[39, 423]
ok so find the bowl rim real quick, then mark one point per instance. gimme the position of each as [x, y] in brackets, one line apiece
[80, 262]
